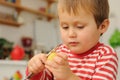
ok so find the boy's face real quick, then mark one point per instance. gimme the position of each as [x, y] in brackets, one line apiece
[79, 32]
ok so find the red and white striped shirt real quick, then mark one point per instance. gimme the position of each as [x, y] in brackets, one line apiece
[99, 63]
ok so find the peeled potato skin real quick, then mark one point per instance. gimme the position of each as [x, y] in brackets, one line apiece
[51, 56]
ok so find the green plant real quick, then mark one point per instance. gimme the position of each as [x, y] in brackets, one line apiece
[115, 39]
[5, 48]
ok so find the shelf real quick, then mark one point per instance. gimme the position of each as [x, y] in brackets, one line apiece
[20, 8]
[8, 22]
[11, 62]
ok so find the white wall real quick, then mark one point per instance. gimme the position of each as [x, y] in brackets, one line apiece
[47, 35]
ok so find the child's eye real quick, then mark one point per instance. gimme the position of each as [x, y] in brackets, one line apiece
[80, 27]
[65, 26]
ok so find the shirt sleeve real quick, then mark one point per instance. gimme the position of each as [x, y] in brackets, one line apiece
[44, 75]
[106, 67]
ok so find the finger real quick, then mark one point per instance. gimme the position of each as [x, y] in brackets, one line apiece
[35, 64]
[62, 55]
[50, 67]
[33, 69]
[43, 58]
[59, 60]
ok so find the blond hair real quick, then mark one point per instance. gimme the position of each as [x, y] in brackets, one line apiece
[99, 8]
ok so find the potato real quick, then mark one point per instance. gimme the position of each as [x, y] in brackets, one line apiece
[51, 55]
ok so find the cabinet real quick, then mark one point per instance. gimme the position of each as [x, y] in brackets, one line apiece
[20, 8]
[8, 68]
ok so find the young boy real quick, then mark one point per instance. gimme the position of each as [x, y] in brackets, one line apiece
[81, 56]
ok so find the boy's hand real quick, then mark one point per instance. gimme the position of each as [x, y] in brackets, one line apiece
[36, 64]
[60, 67]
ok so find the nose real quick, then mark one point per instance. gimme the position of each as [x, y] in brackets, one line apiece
[72, 33]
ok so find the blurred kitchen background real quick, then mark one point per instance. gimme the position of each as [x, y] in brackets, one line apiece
[28, 27]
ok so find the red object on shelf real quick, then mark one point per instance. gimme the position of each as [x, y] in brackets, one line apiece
[26, 41]
[17, 53]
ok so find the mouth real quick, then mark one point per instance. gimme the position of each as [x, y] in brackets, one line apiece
[73, 43]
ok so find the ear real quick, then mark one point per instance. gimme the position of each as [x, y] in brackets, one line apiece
[104, 26]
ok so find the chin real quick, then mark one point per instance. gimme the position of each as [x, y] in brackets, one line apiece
[76, 51]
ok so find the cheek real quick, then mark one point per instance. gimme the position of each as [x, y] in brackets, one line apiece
[88, 36]
[92, 37]
[63, 35]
